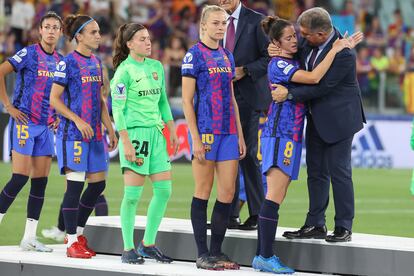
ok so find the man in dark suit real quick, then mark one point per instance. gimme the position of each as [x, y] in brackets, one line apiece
[246, 40]
[335, 114]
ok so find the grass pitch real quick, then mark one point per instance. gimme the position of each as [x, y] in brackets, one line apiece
[383, 202]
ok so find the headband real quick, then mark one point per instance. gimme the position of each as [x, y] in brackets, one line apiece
[133, 33]
[81, 27]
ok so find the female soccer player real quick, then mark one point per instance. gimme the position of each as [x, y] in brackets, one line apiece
[31, 124]
[281, 139]
[140, 108]
[80, 149]
[216, 135]
[57, 232]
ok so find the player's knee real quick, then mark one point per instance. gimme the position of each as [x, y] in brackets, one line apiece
[202, 191]
[130, 201]
[162, 189]
[225, 195]
[76, 176]
[19, 179]
[99, 187]
[16, 183]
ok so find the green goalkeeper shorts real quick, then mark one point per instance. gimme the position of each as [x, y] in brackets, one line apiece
[150, 149]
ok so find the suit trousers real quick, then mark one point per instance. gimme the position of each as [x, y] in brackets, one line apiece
[326, 163]
[250, 166]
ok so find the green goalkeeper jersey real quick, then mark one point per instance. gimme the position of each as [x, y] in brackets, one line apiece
[138, 95]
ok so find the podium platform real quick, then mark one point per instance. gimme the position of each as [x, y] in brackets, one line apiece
[366, 255]
[15, 262]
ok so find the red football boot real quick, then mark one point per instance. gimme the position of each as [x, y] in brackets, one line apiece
[77, 250]
[82, 240]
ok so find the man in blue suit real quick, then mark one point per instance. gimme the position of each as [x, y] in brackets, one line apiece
[246, 40]
[335, 115]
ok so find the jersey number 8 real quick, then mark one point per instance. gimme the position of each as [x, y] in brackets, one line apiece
[288, 149]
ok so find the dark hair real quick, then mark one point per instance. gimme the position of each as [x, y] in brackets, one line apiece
[316, 19]
[51, 14]
[273, 26]
[123, 35]
[181, 40]
[72, 23]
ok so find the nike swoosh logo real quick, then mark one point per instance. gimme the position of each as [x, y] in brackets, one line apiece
[137, 81]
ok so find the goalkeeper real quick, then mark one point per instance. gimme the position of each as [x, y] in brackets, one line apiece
[140, 108]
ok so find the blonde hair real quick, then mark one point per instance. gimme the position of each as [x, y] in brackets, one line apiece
[206, 12]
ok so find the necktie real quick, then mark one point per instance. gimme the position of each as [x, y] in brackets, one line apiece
[230, 35]
[312, 58]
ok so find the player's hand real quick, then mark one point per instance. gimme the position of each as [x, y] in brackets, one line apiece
[273, 50]
[199, 152]
[279, 93]
[341, 44]
[242, 147]
[113, 141]
[85, 129]
[54, 125]
[348, 41]
[174, 141]
[129, 151]
[356, 38]
[239, 73]
[17, 115]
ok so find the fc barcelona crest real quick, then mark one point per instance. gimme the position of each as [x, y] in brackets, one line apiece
[155, 75]
[207, 148]
[77, 160]
[140, 161]
[286, 162]
[22, 143]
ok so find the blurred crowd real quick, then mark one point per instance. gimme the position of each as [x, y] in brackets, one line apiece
[385, 60]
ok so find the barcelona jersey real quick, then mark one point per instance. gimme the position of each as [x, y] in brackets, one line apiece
[213, 70]
[82, 78]
[284, 119]
[35, 70]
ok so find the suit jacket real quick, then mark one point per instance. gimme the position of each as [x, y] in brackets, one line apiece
[335, 103]
[250, 51]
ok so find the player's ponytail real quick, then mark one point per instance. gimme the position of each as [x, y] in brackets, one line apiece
[74, 24]
[123, 35]
[273, 26]
[205, 13]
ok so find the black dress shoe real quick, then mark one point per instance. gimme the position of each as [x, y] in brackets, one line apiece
[249, 224]
[234, 223]
[340, 235]
[307, 232]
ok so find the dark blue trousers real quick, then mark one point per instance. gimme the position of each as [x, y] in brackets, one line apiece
[250, 166]
[329, 163]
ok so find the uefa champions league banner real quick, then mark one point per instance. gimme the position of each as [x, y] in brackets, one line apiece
[380, 144]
